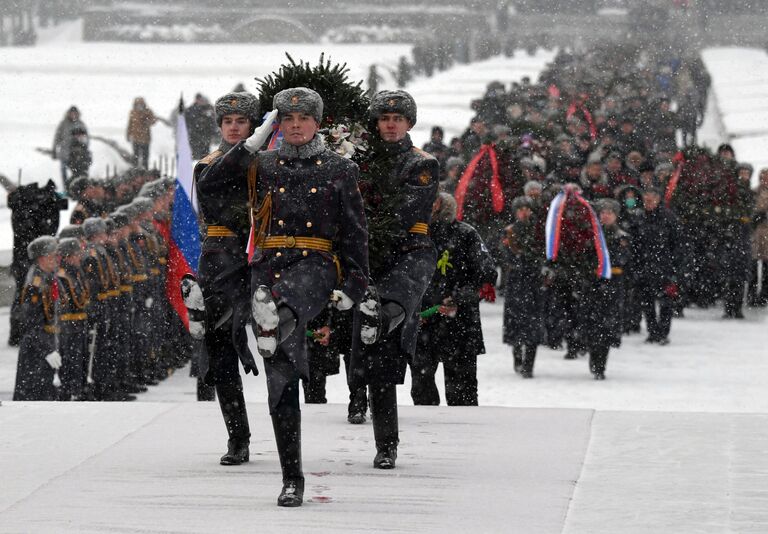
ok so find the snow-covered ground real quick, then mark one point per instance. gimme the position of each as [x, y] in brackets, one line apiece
[740, 86]
[673, 440]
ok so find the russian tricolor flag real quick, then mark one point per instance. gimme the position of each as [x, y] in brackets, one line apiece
[184, 239]
[554, 226]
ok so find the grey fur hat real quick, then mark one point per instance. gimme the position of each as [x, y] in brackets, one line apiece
[42, 246]
[69, 246]
[71, 230]
[454, 161]
[242, 103]
[119, 219]
[608, 204]
[153, 190]
[447, 210]
[532, 184]
[521, 202]
[93, 226]
[138, 206]
[393, 102]
[299, 100]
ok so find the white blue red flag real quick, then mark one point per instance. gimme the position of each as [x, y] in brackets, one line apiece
[184, 238]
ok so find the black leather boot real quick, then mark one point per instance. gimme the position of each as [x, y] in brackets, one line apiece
[517, 354]
[383, 404]
[597, 360]
[232, 404]
[529, 357]
[286, 421]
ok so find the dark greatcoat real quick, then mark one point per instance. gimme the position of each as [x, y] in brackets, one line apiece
[467, 265]
[34, 377]
[523, 306]
[407, 270]
[314, 194]
[601, 305]
[73, 322]
[221, 180]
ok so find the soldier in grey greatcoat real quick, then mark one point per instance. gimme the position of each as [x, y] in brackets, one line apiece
[311, 243]
[38, 357]
[388, 317]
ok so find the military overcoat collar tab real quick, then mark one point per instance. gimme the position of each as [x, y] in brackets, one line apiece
[306, 151]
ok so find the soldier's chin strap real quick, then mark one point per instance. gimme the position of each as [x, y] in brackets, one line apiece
[392, 314]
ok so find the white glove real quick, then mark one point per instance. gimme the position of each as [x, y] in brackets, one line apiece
[54, 360]
[148, 303]
[260, 134]
[341, 300]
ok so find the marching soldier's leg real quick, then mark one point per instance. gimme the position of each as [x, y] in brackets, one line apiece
[232, 404]
[529, 357]
[286, 422]
[383, 400]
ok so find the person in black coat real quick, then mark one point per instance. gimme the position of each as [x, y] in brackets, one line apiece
[453, 335]
[655, 260]
[39, 358]
[523, 306]
[602, 309]
[401, 269]
[311, 242]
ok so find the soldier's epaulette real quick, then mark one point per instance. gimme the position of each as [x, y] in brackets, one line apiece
[93, 253]
[36, 281]
[210, 157]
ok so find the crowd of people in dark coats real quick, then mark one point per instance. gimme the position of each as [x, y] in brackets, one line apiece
[614, 127]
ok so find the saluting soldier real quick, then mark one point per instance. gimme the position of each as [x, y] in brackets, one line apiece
[401, 270]
[38, 357]
[224, 181]
[311, 237]
[73, 318]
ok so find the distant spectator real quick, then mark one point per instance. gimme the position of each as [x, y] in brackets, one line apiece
[139, 131]
[201, 125]
[62, 141]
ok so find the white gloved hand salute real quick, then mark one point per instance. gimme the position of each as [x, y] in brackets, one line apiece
[341, 300]
[54, 360]
[260, 134]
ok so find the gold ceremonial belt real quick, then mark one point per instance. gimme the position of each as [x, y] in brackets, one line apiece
[219, 231]
[289, 241]
[126, 289]
[73, 316]
[50, 329]
[162, 261]
[617, 270]
[154, 270]
[419, 228]
[139, 278]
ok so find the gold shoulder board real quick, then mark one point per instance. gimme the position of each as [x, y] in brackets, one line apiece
[210, 157]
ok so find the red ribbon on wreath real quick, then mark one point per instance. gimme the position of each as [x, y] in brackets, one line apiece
[497, 194]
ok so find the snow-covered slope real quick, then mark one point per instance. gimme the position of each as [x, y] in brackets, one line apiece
[740, 86]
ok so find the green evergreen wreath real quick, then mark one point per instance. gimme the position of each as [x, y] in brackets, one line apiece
[343, 101]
